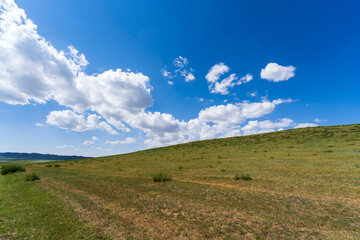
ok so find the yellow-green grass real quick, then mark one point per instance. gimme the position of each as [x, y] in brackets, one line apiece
[305, 185]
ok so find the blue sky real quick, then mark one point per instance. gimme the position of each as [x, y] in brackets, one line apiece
[105, 77]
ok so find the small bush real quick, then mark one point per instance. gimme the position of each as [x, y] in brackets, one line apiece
[48, 165]
[357, 165]
[223, 170]
[11, 169]
[57, 165]
[211, 166]
[243, 177]
[180, 167]
[161, 177]
[32, 177]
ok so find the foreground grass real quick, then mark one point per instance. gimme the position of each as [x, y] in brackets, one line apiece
[29, 212]
[305, 185]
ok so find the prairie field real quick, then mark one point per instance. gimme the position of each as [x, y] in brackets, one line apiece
[293, 184]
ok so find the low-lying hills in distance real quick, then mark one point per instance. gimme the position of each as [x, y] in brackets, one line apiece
[13, 156]
[293, 184]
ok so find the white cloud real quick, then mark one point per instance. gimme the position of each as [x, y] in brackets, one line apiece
[252, 94]
[276, 73]
[216, 71]
[212, 122]
[189, 77]
[39, 124]
[64, 146]
[166, 73]
[223, 86]
[247, 78]
[180, 62]
[69, 120]
[94, 138]
[32, 70]
[317, 120]
[127, 140]
[181, 69]
[306, 125]
[222, 113]
[88, 142]
[254, 127]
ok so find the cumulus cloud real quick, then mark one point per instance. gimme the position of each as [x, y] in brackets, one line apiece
[88, 142]
[223, 86]
[166, 73]
[276, 73]
[32, 70]
[127, 140]
[252, 94]
[69, 120]
[180, 62]
[317, 120]
[254, 127]
[212, 122]
[64, 146]
[170, 83]
[216, 71]
[39, 124]
[189, 77]
[181, 69]
[306, 125]
[247, 78]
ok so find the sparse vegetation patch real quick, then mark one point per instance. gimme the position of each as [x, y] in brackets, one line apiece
[161, 177]
[246, 177]
[32, 177]
[12, 169]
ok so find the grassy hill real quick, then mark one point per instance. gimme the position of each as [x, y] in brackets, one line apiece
[305, 185]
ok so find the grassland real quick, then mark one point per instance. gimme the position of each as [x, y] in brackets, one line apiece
[305, 185]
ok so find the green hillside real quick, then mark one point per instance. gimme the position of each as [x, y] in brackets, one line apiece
[305, 185]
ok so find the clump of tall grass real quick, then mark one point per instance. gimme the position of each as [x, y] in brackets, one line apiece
[12, 169]
[243, 177]
[32, 177]
[161, 177]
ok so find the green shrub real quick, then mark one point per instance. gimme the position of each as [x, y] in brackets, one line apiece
[180, 167]
[57, 165]
[223, 170]
[11, 169]
[48, 165]
[243, 177]
[161, 177]
[32, 177]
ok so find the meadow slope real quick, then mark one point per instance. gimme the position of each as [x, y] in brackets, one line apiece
[305, 185]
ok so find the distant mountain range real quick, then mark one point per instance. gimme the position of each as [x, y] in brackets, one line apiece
[11, 156]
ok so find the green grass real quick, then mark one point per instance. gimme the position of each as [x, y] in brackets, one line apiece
[305, 185]
[6, 169]
[161, 177]
[32, 177]
[243, 177]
